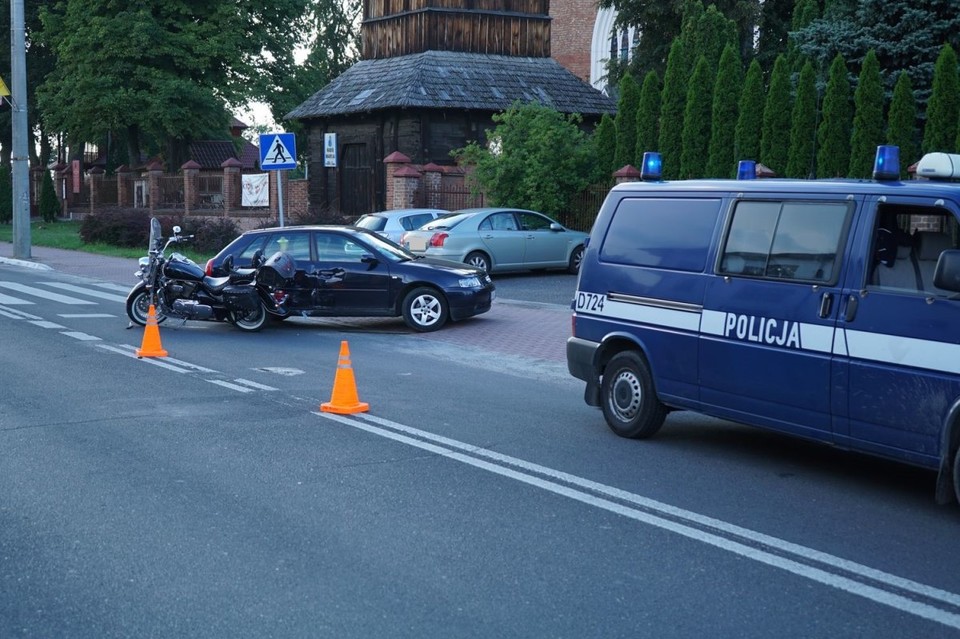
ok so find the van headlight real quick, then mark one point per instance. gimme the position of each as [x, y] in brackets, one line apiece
[469, 282]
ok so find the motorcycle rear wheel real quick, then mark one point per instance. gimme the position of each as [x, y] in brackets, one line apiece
[138, 308]
[249, 321]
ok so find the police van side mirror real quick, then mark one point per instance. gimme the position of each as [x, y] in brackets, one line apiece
[947, 274]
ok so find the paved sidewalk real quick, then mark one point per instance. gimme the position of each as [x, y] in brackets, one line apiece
[526, 329]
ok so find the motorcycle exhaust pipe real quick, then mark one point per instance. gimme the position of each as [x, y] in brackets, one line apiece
[192, 310]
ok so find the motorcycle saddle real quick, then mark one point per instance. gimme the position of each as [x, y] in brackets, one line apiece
[216, 284]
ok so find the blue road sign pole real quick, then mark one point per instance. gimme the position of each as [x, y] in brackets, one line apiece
[280, 194]
[283, 147]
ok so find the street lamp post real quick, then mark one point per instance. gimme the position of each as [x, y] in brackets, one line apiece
[19, 157]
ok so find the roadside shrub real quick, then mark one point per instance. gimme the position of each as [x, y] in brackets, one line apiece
[6, 194]
[117, 228]
[49, 202]
[211, 234]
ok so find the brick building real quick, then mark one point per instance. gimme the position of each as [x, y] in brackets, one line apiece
[583, 39]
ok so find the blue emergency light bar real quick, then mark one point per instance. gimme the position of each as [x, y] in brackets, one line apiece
[652, 168]
[886, 166]
[747, 170]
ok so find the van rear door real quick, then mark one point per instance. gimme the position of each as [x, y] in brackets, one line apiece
[770, 312]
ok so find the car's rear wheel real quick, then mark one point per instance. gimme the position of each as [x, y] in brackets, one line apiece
[478, 259]
[628, 398]
[576, 259]
[425, 309]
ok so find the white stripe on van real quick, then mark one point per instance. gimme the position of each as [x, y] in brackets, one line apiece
[877, 347]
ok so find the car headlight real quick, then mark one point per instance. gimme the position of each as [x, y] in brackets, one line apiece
[469, 282]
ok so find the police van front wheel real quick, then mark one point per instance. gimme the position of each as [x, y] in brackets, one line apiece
[628, 399]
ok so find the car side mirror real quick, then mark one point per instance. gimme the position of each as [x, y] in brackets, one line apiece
[947, 274]
[369, 260]
[556, 227]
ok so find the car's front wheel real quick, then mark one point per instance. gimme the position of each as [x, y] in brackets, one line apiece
[576, 258]
[425, 309]
[628, 399]
[479, 260]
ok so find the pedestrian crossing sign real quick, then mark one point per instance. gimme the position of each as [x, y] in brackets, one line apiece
[278, 151]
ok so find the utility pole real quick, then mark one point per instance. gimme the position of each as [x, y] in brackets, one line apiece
[19, 157]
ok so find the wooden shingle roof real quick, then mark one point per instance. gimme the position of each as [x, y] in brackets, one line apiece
[449, 79]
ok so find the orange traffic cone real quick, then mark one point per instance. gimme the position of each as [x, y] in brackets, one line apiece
[344, 400]
[150, 347]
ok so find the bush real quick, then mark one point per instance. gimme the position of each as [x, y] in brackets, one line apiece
[49, 202]
[132, 229]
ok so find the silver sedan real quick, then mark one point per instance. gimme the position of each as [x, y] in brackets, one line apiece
[499, 240]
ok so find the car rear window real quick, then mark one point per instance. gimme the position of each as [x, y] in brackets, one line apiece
[411, 222]
[371, 222]
[447, 222]
[669, 233]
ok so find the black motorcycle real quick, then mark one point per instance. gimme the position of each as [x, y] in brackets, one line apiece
[177, 287]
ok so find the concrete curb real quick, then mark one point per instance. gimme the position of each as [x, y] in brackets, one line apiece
[37, 266]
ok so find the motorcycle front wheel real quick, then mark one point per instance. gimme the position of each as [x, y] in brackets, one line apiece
[249, 321]
[138, 307]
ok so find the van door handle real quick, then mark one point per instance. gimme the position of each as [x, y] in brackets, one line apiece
[852, 304]
[826, 305]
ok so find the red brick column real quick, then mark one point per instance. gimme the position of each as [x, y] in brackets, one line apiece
[629, 173]
[432, 181]
[231, 185]
[96, 179]
[394, 162]
[124, 186]
[154, 171]
[406, 180]
[191, 169]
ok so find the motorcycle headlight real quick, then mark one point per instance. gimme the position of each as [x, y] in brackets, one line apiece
[469, 282]
[143, 262]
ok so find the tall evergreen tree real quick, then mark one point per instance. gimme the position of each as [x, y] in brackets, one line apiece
[803, 126]
[804, 12]
[605, 144]
[6, 194]
[672, 106]
[940, 132]
[712, 34]
[726, 95]
[868, 129]
[902, 122]
[775, 140]
[648, 115]
[833, 134]
[626, 120]
[750, 118]
[696, 122]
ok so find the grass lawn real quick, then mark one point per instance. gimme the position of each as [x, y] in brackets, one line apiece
[66, 235]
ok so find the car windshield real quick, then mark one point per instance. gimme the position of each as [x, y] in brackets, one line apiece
[391, 251]
[371, 222]
[447, 222]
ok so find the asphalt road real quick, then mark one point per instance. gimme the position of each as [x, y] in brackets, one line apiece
[204, 494]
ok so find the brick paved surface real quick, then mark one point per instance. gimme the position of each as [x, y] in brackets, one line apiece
[525, 329]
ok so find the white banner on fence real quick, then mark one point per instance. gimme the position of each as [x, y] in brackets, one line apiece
[256, 190]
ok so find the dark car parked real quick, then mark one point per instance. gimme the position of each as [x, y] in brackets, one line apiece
[348, 271]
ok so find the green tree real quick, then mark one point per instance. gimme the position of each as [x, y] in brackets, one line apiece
[648, 116]
[833, 135]
[803, 126]
[672, 106]
[711, 34]
[605, 145]
[940, 132]
[544, 159]
[166, 70]
[804, 12]
[696, 122]
[49, 204]
[774, 142]
[6, 194]
[868, 129]
[750, 115]
[902, 122]
[774, 25]
[626, 120]
[721, 162]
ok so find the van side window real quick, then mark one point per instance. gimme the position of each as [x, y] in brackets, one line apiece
[669, 233]
[907, 243]
[798, 241]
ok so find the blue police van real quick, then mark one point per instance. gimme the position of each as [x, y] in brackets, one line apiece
[829, 310]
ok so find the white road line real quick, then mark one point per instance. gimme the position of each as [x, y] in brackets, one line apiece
[247, 382]
[17, 314]
[86, 291]
[148, 360]
[85, 315]
[46, 324]
[847, 584]
[83, 337]
[120, 288]
[6, 299]
[219, 382]
[37, 292]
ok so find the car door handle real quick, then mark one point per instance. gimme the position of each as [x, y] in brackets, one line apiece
[853, 303]
[826, 305]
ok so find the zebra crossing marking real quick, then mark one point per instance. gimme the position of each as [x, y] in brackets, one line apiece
[37, 292]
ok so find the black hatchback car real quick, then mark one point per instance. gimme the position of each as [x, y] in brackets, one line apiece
[352, 272]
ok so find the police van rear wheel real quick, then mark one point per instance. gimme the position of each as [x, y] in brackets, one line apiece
[628, 399]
